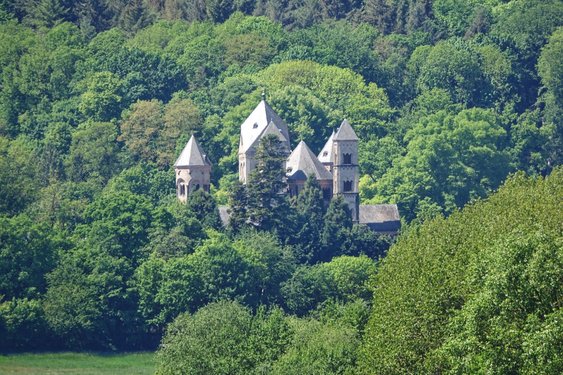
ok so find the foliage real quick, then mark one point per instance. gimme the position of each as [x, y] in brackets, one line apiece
[205, 210]
[471, 293]
[223, 338]
[27, 252]
[97, 99]
[344, 279]
[319, 349]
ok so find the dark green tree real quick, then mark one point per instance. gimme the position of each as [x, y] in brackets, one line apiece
[238, 201]
[205, 210]
[336, 230]
[47, 13]
[310, 210]
[267, 204]
[219, 10]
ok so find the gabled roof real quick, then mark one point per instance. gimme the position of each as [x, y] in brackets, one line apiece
[273, 129]
[302, 159]
[192, 155]
[345, 132]
[253, 127]
[382, 218]
[325, 156]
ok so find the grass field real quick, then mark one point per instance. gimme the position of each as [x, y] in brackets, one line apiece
[77, 363]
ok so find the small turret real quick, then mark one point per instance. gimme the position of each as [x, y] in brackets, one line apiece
[193, 170]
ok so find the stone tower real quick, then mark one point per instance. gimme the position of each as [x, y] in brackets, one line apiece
[193, 170]
[261, 122]
[345, 167]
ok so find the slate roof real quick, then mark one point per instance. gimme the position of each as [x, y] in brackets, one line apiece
[302, 159]
[273, 129]
[192, 155]
[325, 156]
[345, 133]
[253, 127]
[380, 217]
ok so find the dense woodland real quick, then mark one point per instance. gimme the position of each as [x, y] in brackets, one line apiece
[449, 98]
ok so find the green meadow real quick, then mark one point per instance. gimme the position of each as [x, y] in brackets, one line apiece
[77, 363]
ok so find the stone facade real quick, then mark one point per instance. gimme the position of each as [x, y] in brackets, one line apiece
[193, 170]
[335, 168]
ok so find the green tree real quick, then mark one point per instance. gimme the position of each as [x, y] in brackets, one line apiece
[93, 151]
[23, 325]
[310, 210]
[214, 272]
[17, 175]
[344, 279]
[319, 349]
[88, 304]
[336, 229]
[223, 338]
[219, 10]
[118, 222]
[452, 65]
[238, 200]
[205, 210]
[267, 206]
[522, 29]
[56, 145]
[473, 292]
[271, 263]
[102, 96]
[550, 73]
[450, 160]
[134, 16]
[400, 16]
[28, 251]
[47, 13]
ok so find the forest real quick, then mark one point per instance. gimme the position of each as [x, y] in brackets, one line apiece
[458, 105]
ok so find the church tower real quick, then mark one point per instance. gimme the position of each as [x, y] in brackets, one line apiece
[193, 170]
[345, 167]
[261, 122]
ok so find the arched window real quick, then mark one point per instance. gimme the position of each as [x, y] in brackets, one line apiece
[181, 188]
[347, 158]
[347, 186]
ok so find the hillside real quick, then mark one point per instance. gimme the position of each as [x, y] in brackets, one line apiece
[448, 99]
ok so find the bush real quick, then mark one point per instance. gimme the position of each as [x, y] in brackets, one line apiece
[222, 338]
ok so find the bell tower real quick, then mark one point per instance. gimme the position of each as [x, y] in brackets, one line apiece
[345, 167]
[193, 171]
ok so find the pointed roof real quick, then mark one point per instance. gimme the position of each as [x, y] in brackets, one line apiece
[325, 156]
[192, 155]
[345, 132]
[302, 159]
[253, 127]
[273, 129]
